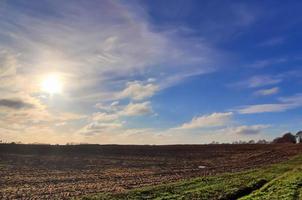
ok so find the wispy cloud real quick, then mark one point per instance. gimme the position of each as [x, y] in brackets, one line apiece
[112, 117]
[94, 55]
[204, 121]
[263, 80]
[204, 129]
[173, 136]
[249, 130]
[258, 81]
[113, 59]
[104, 52]
[136, 109]
[284, 104]
[104, 117]
[267, 92]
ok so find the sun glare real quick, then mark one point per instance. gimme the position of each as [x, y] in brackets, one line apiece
[52, 84]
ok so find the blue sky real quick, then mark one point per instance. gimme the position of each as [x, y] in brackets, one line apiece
[149, 72]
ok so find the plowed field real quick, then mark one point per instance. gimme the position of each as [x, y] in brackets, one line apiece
[48, 172]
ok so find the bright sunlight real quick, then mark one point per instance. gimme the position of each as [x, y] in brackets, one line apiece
[52, 84]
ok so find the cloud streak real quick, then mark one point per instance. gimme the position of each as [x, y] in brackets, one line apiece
[284, 104]
[249, 130]
[137, 109]
[267, 92]
[205, 121]
[258, 81]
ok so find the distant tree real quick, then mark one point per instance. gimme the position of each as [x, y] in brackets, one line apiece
[262, 142]
[251, 142]
[286, 138]
[243, 142]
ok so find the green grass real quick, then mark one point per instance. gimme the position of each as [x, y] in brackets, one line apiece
[279, 181]
[286, 187]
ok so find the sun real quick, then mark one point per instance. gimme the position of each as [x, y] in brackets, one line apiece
[52, 84]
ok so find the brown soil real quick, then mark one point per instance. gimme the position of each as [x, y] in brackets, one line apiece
[61, 172]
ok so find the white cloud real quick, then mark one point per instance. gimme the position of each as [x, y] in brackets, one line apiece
[108, 108]
[151, 80]
[116, 110]
[171, 136]
[267, 92]
[258, 81]
[212, 120]
[136, 109]
[138, 91]
[61, 124]
[295, 99]
[97, 49]
[285, 103]
[101, 51]
[262, 108]
[8, 72]
[7, 64]
[35, 117]
[111, 119]
[101, 126]
[249, 130]
[101, 106]
[115, 103]
[104, 117]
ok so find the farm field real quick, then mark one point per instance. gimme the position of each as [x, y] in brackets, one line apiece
[175, 171]
[277, 181]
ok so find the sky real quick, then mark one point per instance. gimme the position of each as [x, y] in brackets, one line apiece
[149, 72]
